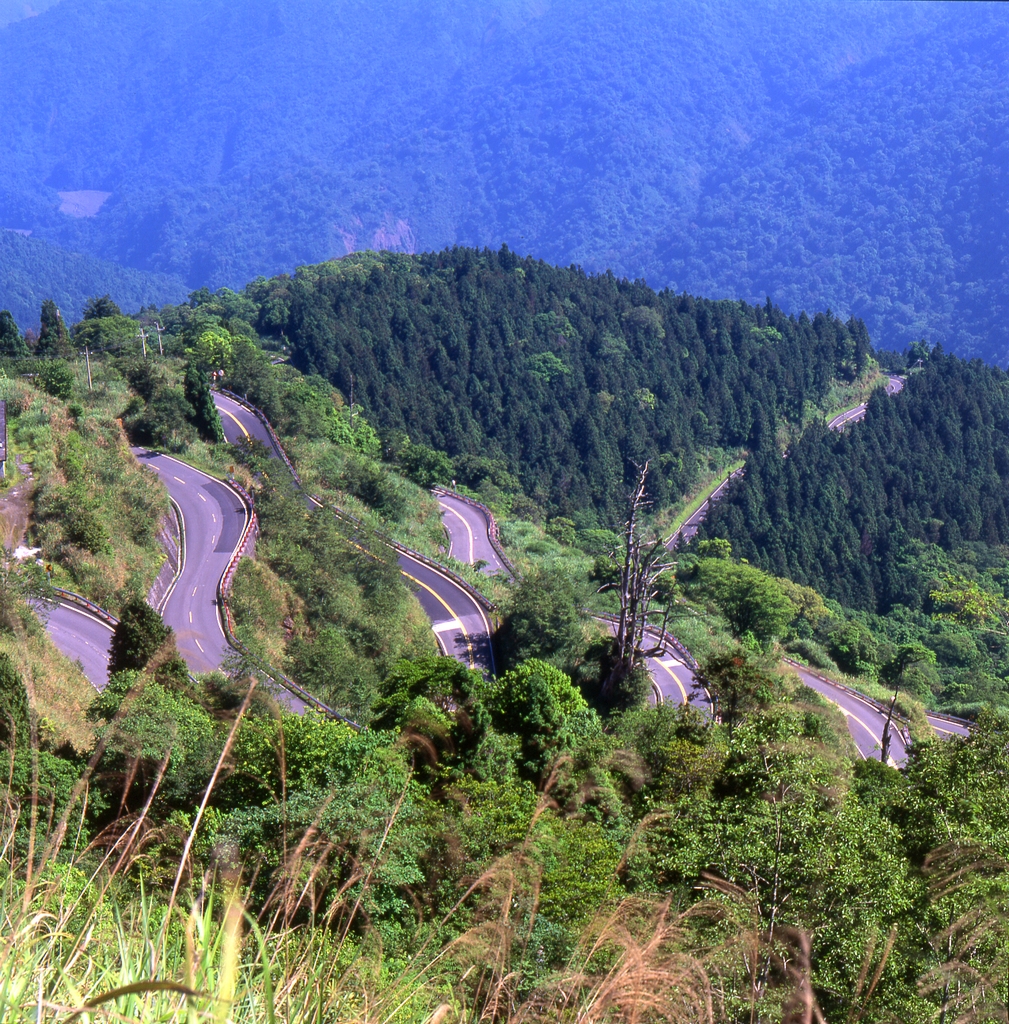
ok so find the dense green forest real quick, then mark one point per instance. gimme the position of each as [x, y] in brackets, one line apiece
[846, 162]
[561, 379]
[896, 516]
[32, 270]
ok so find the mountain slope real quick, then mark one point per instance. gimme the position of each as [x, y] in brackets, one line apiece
[32, 271]
[844, 155]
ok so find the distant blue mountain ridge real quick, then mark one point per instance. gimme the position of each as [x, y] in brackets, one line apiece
[842, 155]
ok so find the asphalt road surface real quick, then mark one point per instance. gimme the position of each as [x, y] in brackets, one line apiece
[865, 722]
[214, 518]
[82, 638]
[460, 624]
[468, 533]
[689, 526]
[893, 385]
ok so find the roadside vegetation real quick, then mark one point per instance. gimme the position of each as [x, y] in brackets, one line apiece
[544, 845]
[488, 848]
[94, 513]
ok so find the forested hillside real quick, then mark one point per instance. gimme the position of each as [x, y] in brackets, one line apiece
[561, 379]
[844, 511]
[32, 271]
[851, 159]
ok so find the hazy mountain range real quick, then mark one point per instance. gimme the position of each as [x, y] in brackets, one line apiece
[843, 155]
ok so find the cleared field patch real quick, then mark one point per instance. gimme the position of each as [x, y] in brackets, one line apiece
[85, 203]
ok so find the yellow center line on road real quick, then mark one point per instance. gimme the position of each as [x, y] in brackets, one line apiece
[462, 519]
[241, 425]
[449, 609]
[674, 678]
[855, 718]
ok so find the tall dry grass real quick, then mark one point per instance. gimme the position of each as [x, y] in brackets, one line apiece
[83, 939]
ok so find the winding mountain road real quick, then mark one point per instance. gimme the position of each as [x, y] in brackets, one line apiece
[468, 531]
[893, 385]
[461, 624]
[82, 637]
[215, 518]
[469, 528]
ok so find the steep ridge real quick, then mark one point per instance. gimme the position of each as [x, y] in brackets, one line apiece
[460, 617]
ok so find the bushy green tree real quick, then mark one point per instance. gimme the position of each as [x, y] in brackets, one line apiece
[854, 648]
[12, 344]
[205, 416]
[539, 703]
[57, 379]
[738, 684]
[100, 308]
[115, 333]
[752, 601]
[544, 619]
[436, 697]
[54, 339]
[153, 721]
[140, 634]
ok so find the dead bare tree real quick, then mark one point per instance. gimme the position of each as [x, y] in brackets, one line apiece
[644, 561]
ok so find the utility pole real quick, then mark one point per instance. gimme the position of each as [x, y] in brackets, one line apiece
[87, 359]
[143, 341]
[159, 328]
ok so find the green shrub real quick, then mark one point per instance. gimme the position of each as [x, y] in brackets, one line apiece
[56, 379]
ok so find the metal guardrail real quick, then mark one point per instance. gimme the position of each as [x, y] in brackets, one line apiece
[493, 533]
[69, 597]
[967, 723]
[903, 721]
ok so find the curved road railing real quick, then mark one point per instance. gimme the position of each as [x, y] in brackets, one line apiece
[902, 722]
[92, 609]
[69, 597]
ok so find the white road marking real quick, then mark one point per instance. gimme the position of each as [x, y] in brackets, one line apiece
[190, 618]
[179, 478]
[444, 627]
[201, 497]
[198, 644]
[469, 531]
[194, 590]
